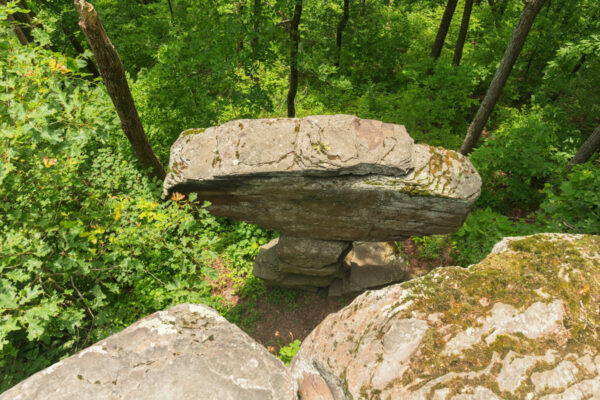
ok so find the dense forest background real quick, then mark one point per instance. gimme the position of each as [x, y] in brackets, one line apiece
[87, 243]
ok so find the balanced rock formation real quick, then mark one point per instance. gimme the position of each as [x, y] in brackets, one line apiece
[330, 178]
[186, 352]
[522, 324]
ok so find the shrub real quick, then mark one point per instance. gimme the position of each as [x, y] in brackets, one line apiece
[575, 205]
[515, 162]
[482, 229]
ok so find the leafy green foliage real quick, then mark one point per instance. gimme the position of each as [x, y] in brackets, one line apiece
[482, 229]
[86, 247]
[287, 353]
[516, 160]
[430, 247]
[576, 204]
[87, 244]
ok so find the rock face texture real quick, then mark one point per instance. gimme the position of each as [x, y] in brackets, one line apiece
[186, 352]
[522, 324]
[370, 265]
[270, 267]
[333, 177]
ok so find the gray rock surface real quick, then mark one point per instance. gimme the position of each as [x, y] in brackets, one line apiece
[370, 265]
[325, 177]
[310, 253]
[522, 324]
[186, 352]
[272, 270]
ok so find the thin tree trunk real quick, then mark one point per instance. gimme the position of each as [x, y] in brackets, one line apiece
[462, 34]
[171, 10]
[113, 76]
[20, 32]
[240, 11]
[388, 24]
[22, 27]
[256, 14]
[340, 31]
[579, 64]
[80, 50]
[517, 40]
[589, 147]
[436, 50]
[295, 36]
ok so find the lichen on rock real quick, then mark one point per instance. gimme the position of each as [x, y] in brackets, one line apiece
[327, 177]
[523, 323]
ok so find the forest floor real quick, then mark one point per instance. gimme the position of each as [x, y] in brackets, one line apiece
[278, 317]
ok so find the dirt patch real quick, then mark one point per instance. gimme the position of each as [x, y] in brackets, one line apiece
[419, 265]
[223, 286]
[279, 323]
[275, 317]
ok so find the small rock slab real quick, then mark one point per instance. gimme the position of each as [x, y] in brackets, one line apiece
[370, 265]
[521, 324]
[186, 352]
[269, 266]
[329, 177]
[310, 253]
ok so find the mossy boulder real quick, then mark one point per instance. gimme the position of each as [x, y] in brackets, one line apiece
[522, 324]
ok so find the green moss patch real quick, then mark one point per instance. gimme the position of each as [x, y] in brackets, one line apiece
[539, 268]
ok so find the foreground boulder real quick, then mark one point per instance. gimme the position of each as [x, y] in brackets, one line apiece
[328, 177]
[186, 352]
[522, 324]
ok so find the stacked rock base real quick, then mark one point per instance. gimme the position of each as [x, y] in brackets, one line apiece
[344, 267]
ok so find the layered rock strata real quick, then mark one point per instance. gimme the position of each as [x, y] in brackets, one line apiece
[329, 178]
[325, 177]
[370, 265]
[522, 324]
[187, 352]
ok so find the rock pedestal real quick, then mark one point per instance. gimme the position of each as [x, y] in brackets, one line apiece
[333, 178]
[300, 263]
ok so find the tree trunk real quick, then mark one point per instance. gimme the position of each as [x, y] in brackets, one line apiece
[340, 30]
[80, 50]
[256, 15]
[113, 76]
[498, 9]
[171, 11]
[589, 147]
[239, 8]
[517, 40]
[579, 64]
[23, 24]
[462, 34]
[295, 36]
[436, 50]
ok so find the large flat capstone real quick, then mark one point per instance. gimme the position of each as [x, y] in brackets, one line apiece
[329, 177]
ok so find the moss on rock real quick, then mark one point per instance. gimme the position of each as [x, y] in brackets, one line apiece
[535, 299]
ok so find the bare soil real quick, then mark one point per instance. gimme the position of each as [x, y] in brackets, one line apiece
[280, 317]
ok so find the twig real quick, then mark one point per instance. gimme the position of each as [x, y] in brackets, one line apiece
[82, 299]
[154, 276]
[278, 11]
[568, 226]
